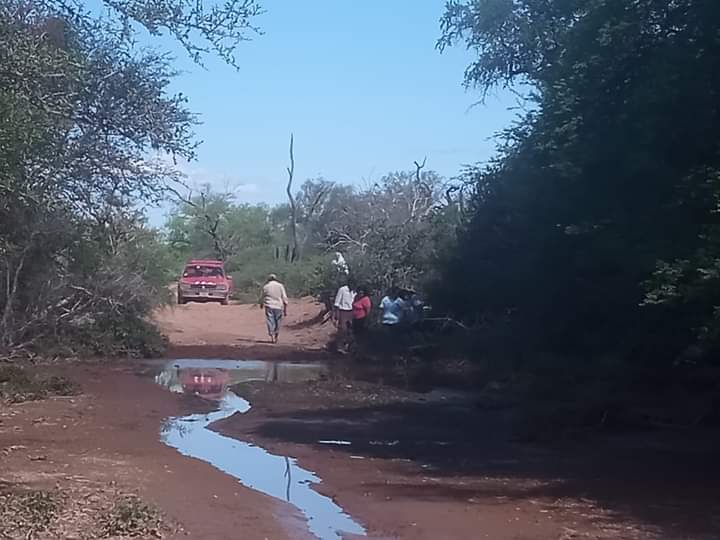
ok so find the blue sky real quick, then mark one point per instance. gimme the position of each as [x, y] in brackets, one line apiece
[360, 84]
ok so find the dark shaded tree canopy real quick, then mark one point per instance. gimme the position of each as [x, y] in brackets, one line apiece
[594, 228]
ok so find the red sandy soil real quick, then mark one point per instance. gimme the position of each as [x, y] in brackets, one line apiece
[213, 330]
[420, 467]
[106, 441]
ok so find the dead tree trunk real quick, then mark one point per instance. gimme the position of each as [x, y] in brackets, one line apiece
[12, 280]
[212, 223]
[419, 167]
[293, 204]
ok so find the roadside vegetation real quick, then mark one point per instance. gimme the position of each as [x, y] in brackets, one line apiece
[37, 513]
[131, 517]
[88, 135]
[589, 258]
[18, 383]
[24, 514]
[389, 233]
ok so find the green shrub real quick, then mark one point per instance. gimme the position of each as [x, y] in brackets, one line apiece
[301, 278]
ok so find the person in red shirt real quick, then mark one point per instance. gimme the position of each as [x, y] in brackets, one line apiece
[362, 306]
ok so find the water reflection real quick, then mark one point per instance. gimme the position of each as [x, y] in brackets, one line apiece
[211, 378]
[275, 475]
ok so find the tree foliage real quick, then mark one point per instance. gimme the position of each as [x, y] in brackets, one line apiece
[202, 28]
[389, 232]
[84, 119]
[594, 230]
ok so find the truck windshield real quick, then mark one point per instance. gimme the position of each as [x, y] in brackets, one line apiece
[203, 271]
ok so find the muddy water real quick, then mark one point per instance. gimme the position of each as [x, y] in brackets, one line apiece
[275, 475]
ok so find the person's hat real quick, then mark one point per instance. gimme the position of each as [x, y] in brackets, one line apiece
[272, 277]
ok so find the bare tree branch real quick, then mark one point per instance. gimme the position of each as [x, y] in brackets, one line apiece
[419, 167]
[212, 223]
[315, 207]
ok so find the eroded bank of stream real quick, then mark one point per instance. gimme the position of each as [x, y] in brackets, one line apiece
[275, 475]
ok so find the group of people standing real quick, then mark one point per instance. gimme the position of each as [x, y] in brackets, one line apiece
[353, 306]
[351, 310]
[400, 308]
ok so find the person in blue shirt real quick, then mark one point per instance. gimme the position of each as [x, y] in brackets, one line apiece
[392, 307]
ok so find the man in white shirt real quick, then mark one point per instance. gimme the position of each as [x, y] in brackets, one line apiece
[275, 301]
[344, 307]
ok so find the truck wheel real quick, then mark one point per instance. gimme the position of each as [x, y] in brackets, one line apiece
[224, 302]
[181, 301]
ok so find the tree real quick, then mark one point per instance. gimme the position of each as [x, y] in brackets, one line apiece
[293, 205]
[213, 225]
[82, 115]
[202, 28]
[385, 231]
[611, 173]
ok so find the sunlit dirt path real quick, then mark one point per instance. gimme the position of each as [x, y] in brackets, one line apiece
[209, 327]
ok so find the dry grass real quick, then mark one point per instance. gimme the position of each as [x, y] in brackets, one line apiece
[78, 512]
[18, 384]
[131, 517]
[23, 514]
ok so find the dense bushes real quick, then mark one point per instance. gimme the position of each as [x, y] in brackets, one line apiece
[83, 116]
[593, 233]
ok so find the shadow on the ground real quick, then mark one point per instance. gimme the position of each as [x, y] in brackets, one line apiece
[666, 480]
[250, 350]
[321, 318]
[255, 341]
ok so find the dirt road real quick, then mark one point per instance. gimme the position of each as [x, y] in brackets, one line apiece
[229, 331]
[403, 464]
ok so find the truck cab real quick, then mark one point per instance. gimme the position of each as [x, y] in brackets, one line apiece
[204, 280]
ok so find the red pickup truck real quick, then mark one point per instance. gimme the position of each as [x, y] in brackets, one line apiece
[204, 280]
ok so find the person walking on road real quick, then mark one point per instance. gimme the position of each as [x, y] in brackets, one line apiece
[275, 301]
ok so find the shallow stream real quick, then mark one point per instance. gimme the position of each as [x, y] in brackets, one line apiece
[275, 475]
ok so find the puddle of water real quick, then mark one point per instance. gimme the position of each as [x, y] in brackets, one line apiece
[256, 468]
